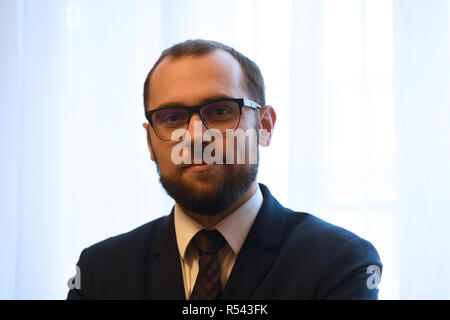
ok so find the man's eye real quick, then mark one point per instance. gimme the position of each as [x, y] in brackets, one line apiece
[221, 111]
[171, 118]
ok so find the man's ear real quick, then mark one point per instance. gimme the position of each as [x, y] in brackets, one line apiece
[149, 143]
[267, 119]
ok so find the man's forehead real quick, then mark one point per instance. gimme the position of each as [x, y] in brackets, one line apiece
[217, 58]
[190, 75]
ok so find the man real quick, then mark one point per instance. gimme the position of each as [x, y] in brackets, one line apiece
[227, 237]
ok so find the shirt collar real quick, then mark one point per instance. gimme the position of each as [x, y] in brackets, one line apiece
[234, 228]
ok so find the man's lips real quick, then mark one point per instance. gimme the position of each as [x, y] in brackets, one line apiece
[200, 167]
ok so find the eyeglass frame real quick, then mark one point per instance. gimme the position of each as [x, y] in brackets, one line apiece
[241, 102]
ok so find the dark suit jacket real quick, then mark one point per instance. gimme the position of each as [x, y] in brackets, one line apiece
[286, 255]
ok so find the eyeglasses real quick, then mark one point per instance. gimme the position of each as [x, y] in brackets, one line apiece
[220, 116]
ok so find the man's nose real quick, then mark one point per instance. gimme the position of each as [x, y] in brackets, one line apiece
[196, 127]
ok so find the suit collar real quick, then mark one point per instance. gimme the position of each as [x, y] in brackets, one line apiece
[165, 278]
[259, 250]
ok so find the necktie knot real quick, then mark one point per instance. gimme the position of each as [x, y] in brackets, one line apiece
[208, 241]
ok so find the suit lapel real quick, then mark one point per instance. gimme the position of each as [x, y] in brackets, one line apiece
[259, 250]
[165, 277]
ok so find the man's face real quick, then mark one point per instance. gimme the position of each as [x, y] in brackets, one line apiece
[189, 81]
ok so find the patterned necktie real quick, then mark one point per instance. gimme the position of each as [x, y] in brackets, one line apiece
[208, 285]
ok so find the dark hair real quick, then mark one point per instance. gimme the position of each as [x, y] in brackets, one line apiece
[253, 79]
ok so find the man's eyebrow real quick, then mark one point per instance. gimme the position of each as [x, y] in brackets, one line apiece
[206, 100]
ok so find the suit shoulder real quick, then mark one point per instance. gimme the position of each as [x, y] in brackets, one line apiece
[131, 240]
[120, 258]
[323, 243]
[307, 228]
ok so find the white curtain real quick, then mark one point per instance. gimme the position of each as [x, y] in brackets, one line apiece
[361, 89]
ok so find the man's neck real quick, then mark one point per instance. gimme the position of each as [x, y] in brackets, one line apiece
[210, 221]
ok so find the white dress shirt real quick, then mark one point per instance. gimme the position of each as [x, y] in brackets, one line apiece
[234, 228]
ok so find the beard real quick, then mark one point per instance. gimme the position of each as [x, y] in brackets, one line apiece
[220, 194]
